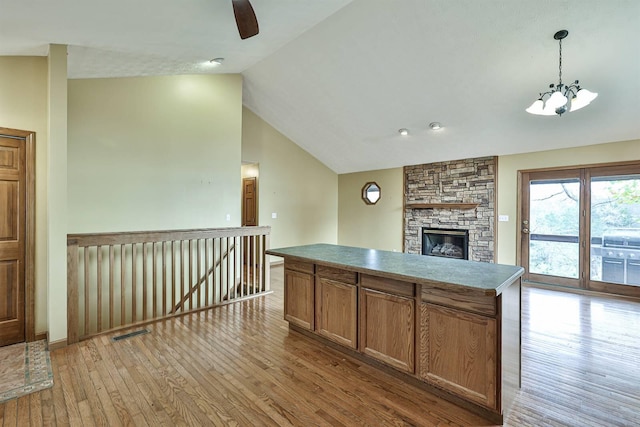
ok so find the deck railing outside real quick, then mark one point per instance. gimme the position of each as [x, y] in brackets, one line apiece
[118, 280]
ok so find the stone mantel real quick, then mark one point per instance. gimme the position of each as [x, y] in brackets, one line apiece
[414, 205]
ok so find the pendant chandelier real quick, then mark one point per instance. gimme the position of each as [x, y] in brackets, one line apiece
[561, 98]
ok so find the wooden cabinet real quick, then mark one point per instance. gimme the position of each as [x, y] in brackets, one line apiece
[459, 352]
[387, 322]
[299, 295]
[336, 311]
[461, 341]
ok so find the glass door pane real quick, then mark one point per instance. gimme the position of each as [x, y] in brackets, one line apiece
[615, 229]
[554, 229]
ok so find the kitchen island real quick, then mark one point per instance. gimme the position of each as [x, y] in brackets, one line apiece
[449, 326]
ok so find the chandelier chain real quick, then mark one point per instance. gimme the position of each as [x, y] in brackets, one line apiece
[560, 65]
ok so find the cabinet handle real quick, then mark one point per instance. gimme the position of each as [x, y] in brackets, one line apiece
[613, 262]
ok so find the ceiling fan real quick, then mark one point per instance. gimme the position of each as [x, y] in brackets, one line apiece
[245, 18]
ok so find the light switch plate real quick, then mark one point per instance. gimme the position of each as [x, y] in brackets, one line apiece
[503, 218]
[274, 215]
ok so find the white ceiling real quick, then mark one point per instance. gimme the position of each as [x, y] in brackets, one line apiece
[340, 77]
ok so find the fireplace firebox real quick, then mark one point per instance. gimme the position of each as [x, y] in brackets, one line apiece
[444, 242]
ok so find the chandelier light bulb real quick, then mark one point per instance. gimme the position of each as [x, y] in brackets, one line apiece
[536, 107]
[556, 100]
[582, 99]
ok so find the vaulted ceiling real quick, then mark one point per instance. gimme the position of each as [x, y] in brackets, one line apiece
[340, 77]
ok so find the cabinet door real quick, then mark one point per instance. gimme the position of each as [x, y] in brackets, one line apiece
[336, 308]
[298, 298]
[458, 352]
[388, 328]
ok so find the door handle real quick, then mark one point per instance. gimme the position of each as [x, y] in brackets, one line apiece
[525, 230]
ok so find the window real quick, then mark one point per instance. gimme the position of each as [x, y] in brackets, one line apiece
[581, 228]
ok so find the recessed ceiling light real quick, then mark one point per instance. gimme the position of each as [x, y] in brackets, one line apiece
[216, 62]
[403, 132]
[435, 125]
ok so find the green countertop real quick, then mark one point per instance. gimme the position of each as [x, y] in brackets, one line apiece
[489, 279]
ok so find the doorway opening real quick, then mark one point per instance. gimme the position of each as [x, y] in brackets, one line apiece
[249, 173]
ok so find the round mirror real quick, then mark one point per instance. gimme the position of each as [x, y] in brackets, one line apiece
[371, 193]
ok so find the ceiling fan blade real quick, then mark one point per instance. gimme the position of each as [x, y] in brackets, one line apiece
[245, 18]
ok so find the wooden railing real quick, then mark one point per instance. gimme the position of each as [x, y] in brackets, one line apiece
[118, 280]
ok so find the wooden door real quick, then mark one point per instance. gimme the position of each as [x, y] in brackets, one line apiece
[550, 230]
[249, 202]
[12, 240]
[249, 218]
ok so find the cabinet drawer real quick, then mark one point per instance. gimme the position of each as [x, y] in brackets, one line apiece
[305, 267]
[337, 274]
[391, 286]
[460, 299]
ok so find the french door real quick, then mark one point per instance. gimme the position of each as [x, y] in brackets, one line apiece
[580, 228]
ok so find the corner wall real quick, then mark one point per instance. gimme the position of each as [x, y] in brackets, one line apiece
[294, 185]
[23, 105]
[57, 194]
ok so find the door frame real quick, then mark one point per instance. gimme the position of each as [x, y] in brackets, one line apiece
[524, 179]
[255, 192]
[29, 139]
[587, 171]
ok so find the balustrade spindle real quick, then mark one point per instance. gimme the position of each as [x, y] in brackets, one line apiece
[228, 262]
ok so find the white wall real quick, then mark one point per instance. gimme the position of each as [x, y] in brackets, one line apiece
[154, 153]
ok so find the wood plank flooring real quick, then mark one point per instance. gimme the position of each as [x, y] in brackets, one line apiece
[239, 365]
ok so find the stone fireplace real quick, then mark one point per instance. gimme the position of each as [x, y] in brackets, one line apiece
[456, 195]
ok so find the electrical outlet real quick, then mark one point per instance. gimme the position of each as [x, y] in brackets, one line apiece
[228, 217]
[274, 215]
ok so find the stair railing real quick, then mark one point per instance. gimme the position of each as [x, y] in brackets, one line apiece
[119, 280]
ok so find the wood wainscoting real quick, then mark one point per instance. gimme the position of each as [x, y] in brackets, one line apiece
[240, 364]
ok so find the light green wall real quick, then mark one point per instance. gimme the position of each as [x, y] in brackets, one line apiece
[376, 226]
[302, 191]
[380, 226]
[154, 153]
[57, 193]
[23, 105]
[508, 167]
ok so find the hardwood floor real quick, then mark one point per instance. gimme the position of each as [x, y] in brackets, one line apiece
[240, 365]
